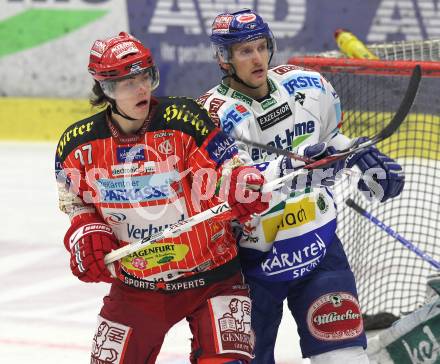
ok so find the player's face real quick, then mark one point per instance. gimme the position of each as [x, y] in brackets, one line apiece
[133, 95]
[250, 60]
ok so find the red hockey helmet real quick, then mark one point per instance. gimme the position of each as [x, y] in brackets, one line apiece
[121, 56]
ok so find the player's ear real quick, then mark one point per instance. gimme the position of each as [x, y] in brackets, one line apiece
[225, 66]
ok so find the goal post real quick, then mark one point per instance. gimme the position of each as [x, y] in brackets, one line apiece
[391, 279]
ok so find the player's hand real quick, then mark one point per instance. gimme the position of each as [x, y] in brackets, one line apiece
[88, 243]
[245, 197]
[378, 170]
[324, 176]
[329, 172]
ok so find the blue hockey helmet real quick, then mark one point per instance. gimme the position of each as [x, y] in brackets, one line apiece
[241, 26]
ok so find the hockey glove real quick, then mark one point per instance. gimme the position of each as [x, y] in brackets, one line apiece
[382, 176]
[88, 241]
[245, 197]
[324, 176]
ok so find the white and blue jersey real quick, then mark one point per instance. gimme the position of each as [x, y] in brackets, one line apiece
[302, 109]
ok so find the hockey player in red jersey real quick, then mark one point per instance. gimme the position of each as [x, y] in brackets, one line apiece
[133, 169]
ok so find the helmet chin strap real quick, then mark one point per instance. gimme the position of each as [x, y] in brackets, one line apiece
[115, 110]
[234, 75]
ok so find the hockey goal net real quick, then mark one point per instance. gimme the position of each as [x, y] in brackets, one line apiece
[391, 279]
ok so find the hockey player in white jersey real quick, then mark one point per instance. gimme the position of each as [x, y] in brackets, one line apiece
[292, 251]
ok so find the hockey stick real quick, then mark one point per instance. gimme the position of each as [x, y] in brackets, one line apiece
[393, 233]
[396, 121]
[179, 227]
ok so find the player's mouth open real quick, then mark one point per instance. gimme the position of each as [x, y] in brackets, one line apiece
[259, 72]
[142, 104]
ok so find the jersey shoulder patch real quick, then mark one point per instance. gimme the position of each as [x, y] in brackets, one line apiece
[233, 114]
[184, 114]
[86, 130]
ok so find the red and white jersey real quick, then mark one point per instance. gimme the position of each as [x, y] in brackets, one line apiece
[141, 184]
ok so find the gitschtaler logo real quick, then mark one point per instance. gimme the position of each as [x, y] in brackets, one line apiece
[183, 114]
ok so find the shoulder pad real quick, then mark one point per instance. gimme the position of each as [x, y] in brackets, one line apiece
[290, 69]
[233, 114]
[91, 128]
[225, 110]
[184, 114]
[294, 78]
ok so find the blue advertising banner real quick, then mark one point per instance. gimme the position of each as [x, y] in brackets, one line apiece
[177, 31]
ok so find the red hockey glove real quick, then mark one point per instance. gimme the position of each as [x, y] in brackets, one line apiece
[245, 197]
[88, 241]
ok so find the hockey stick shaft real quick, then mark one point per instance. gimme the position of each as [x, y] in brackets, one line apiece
[393, 125]
[393, 234]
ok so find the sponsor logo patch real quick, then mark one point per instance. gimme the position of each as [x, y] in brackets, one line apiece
[295, 214]
[246, 18]
[115, 218]
[221, 23]
[239, 96]
[268, 103]
[302, 81]
[233, 116]
[163, 134]
[222, 89]
[202, 99]
[183, 114]
[136, 232]
[110, 341]
[149, 167]
[274, 117]
[289, 139]
[152, 256]
[322, 203]
[122, 49]
[126, 169]
[300, 97]
[334, 317]
[221, 148]
[139, 188]
[232, 323]
[73, 133]
[130, 154]
[214, 105]
[165, 147]
[281, 70]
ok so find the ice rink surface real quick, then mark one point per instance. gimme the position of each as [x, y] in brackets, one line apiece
[46, 314]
